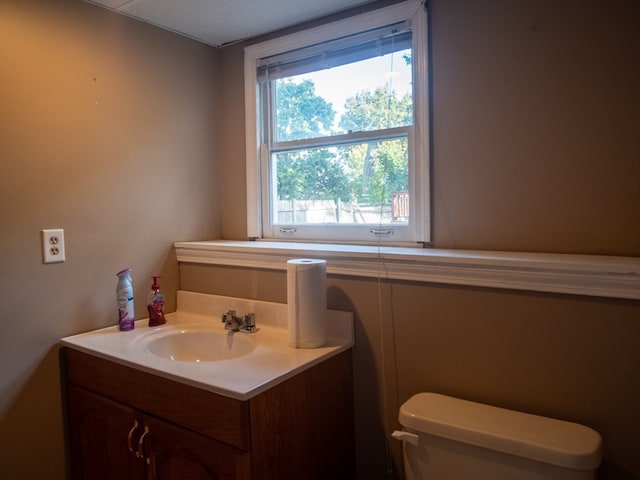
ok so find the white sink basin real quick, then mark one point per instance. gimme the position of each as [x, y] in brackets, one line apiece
[200, 346]
[194, 348]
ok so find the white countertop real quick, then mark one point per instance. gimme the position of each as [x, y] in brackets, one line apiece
[269, 363]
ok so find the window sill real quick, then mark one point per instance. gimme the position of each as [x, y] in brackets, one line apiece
[601, 276]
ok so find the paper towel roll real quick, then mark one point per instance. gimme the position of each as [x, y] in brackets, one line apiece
[307, 302]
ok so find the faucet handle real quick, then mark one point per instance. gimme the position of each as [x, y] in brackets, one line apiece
[228, 316]
[249, 323]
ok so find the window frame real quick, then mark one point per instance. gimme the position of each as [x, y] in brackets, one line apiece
[257, 174]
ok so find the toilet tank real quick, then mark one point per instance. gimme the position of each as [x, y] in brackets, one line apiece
[457, 439]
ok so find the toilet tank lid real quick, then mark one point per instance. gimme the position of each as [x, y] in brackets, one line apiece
[547, 440]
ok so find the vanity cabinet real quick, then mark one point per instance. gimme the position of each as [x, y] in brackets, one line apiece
[125, 423]
[113, 441]
[98, 431]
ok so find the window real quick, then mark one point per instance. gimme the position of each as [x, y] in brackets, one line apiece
[337, 134]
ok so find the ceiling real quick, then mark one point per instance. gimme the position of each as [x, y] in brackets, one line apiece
[217, 22]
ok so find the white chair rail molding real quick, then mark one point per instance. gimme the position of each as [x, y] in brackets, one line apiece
[593, 275]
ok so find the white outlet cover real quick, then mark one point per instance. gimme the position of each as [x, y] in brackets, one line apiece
[53, 245]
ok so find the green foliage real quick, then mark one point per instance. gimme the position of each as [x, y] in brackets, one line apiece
[382, 165]
[366, 173]
[311, 175]
[368, 111]
[300, 112]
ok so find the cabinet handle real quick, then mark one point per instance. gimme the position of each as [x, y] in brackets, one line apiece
[130, 436]
[140, 452]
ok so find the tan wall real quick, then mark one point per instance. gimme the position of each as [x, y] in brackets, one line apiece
[536, 125]
[107, 130]
[536, 147]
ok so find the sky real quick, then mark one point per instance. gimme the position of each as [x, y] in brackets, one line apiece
[360, 76]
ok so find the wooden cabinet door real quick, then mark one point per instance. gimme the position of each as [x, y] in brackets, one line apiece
[175, 453]
[99, 432]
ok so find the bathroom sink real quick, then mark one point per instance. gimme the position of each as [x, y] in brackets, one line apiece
[194, 348]
[199, 346]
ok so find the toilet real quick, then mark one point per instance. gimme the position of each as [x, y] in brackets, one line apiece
[447, 438]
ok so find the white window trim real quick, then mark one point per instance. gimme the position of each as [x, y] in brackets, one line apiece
[369, 20]
[592, 275]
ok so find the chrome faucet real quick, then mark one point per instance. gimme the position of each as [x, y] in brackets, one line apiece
[245, 324]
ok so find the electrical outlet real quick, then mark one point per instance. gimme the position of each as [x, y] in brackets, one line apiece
[53, 245]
